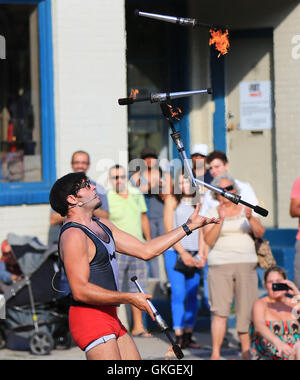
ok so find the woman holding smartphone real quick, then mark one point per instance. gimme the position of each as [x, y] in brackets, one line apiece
[275, 330]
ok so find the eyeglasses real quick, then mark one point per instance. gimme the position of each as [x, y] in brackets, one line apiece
[228, 188]
[115, 177]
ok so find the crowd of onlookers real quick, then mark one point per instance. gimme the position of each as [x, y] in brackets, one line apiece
[151, 202]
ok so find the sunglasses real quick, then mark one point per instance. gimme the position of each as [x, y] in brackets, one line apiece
[115, 177]
[228, 188]
[82, 185]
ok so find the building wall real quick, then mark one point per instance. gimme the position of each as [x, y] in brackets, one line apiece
[287, 111]
[282, 153]
[90, 76]
[251, 154]
[25, 220]
[89, 45]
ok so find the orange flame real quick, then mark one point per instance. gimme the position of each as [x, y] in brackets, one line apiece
[133, 93]
[175, 112]
[220, 40]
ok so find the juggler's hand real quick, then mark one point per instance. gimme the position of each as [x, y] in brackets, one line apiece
[197, 221]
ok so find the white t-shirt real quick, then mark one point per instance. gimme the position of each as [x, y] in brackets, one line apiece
[246, 192]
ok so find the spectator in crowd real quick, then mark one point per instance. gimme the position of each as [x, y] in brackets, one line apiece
[184, 285]
[128, 211]
[80, 162]
[155, 184]
[232, 262]
[199, 154]
[295, 213]
[275, 330]
[9, 268]
[218, 165]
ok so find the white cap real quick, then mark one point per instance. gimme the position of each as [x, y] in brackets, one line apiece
[200, 149]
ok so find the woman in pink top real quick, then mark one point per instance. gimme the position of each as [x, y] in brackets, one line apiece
[295, 213]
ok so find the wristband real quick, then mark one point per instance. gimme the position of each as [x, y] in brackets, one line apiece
[186, 229]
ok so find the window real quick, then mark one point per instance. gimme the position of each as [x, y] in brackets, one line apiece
[26, 103]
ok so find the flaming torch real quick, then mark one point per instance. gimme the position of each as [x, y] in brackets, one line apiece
[219, 33]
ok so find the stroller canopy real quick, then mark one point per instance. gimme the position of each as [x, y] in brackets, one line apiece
[29, 252]
[39, 264]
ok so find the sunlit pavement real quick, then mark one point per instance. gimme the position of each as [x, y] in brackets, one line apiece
[155, 348]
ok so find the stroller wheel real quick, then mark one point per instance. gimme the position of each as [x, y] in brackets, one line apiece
[41, 343]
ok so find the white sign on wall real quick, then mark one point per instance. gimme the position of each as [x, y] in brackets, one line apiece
[255, 105]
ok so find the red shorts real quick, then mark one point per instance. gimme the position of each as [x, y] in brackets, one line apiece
[89, 323]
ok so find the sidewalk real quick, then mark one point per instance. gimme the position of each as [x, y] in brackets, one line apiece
[154, 348]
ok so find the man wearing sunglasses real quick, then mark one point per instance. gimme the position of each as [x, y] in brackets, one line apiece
[219, 165]
[128, 211]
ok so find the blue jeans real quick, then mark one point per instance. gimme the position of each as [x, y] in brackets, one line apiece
[205, 302]
[183, 294]
[260, 274]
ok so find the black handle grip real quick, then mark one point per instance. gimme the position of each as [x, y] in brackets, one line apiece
[261, 211]
[128, 101]
[125, 101]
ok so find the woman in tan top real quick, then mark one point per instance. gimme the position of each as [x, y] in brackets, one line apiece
[232, 265]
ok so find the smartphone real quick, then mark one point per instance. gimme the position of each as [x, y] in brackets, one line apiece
[280, 287]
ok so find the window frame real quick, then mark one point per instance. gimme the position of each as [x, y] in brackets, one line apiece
[17, 193]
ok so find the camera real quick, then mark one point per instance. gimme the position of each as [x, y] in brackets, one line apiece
[280, 287]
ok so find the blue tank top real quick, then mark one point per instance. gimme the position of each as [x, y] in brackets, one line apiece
[103, 267]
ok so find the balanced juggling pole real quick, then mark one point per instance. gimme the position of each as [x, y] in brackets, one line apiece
[161, 323]
[162, 97]
[178, 20]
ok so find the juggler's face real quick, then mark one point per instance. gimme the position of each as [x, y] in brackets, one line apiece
[88, 196]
